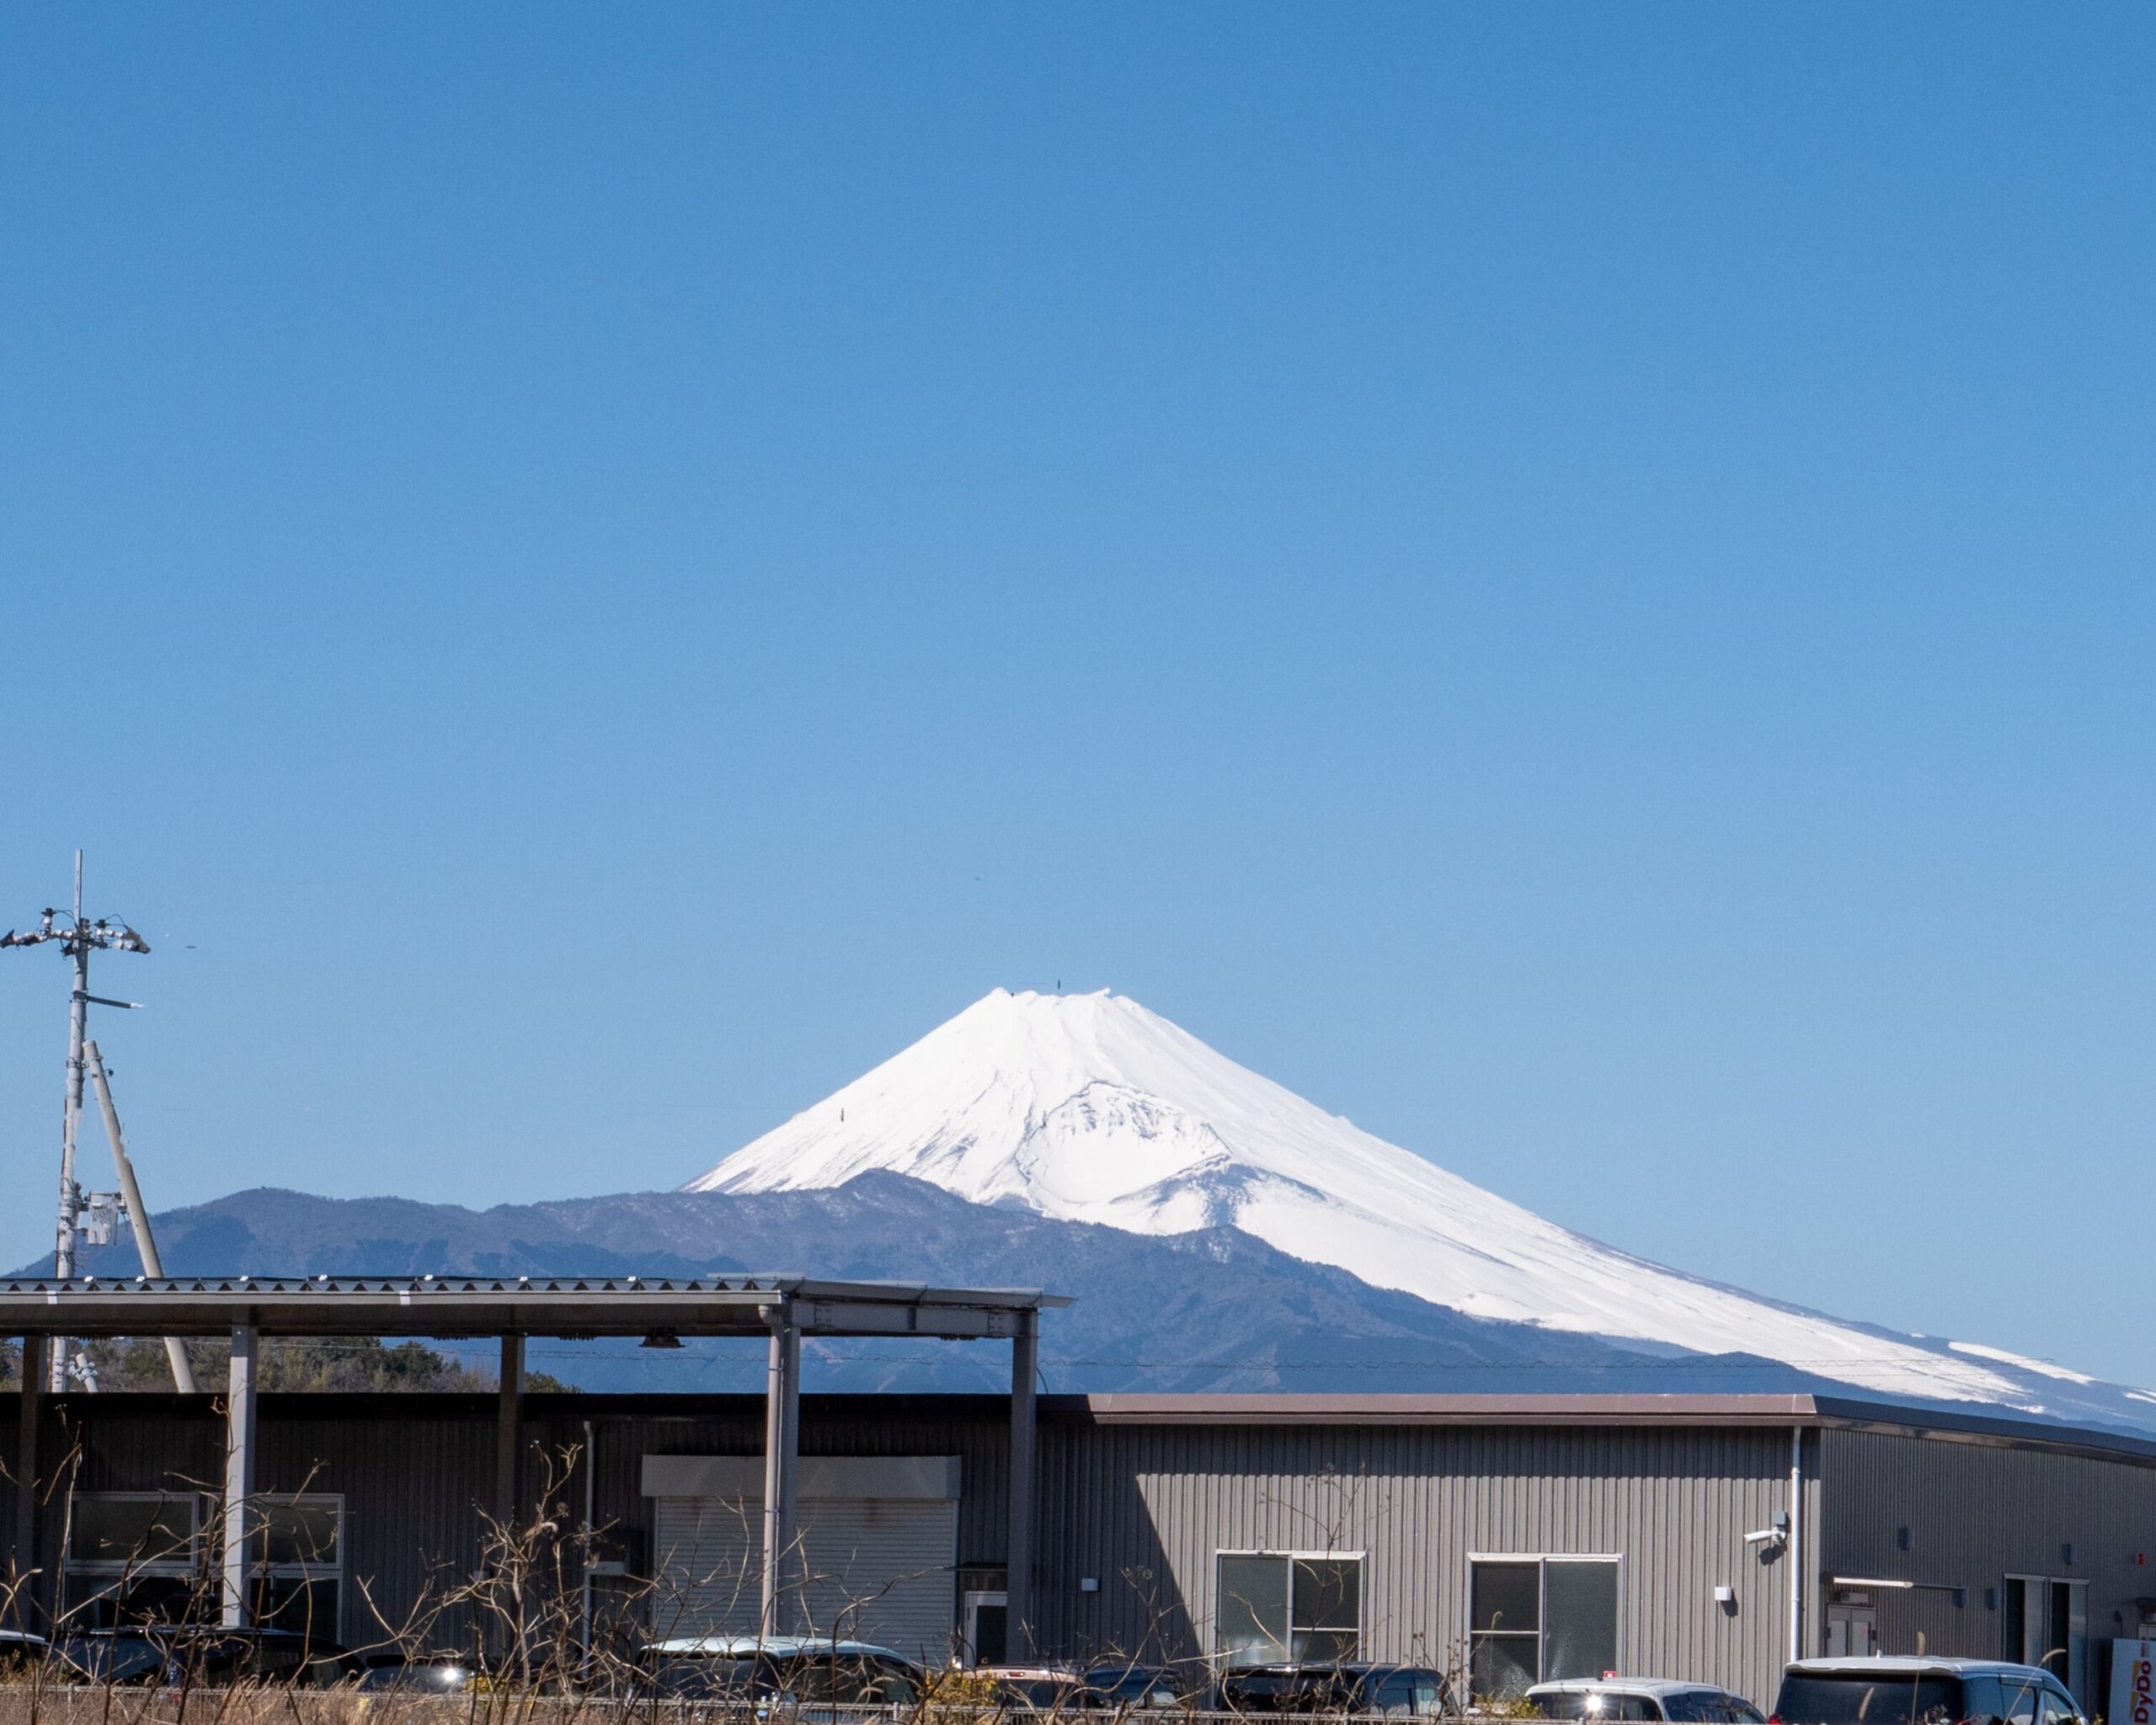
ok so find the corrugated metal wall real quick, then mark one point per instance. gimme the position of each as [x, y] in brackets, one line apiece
[415, 1471]
[1976, 1512]
[1144, 1509]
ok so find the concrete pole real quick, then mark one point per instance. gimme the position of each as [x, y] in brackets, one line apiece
[239, 1477]
[138, 1217]
[781, 1474]
[26, 1480]
[509, 1431]
[71, 1197]
[1018, 1581]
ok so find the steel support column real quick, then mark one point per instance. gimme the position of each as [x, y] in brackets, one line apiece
[239, 1476]
[1019, 1583]
[26, 1482]
[509, 1431]
[781, 1474]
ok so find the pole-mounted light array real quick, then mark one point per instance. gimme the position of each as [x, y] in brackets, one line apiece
[78, 937]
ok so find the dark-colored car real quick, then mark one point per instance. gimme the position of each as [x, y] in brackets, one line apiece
[20, 1650]
[422, 1676]
[175, 1656]
[1370, 1691]
[789, 1671]
[1921, 1691]
[1132, 1688]
[1034, 1689]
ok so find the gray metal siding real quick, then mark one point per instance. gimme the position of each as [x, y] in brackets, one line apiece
[1977, 1511]
[1145, 1509]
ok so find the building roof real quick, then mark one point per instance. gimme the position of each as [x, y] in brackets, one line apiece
[496, 1305]
[1909, 1419]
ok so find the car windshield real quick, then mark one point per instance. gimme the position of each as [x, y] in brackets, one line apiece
[442, 1677]
[1035, 1694]
[1117, 1685]
[1861, 1698]
[693, 1677]
[1595, 1704]
[223, 1658]
[114, 1659]
[1319, 1691]
[846, 1679]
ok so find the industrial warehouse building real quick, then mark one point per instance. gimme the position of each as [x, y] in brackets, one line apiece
[1518, 1538]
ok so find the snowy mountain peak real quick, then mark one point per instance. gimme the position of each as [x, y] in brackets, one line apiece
[1089, 1107]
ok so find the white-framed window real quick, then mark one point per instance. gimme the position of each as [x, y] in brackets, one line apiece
[131, 1557]
[1536, 1619]
[1271, 1606]
[299, 1561]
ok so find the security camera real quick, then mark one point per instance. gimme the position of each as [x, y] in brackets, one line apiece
[1767, 1535]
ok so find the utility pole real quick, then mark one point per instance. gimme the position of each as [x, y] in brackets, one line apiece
[77, 939]
[138, 1213]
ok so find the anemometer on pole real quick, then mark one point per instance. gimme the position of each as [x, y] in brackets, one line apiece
[90, 1217]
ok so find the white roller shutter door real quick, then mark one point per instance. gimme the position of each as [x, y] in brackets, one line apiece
[879, 1536]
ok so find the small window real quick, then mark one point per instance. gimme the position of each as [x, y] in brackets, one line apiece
[130, 1528]
[1540, 1620]
[1507, 1625]
[301, 1531]
[299, 1564]
[1279, 1605]
[131, 1557]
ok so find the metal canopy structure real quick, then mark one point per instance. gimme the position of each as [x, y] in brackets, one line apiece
[568, 1306]
[782, 1309]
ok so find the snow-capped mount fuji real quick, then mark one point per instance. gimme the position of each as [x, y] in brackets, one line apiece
[1089, 1107]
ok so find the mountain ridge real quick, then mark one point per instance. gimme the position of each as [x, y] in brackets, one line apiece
[1208, 1310]
[1089, 1107]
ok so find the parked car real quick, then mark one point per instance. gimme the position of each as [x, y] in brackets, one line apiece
[1641, 1698]
[445, 1675]
[1132, 1688]
[1887, 1690]
[1379, 1691]
[175, 1655]
[1033, 1689]
[20, 1649]
[781, 1671]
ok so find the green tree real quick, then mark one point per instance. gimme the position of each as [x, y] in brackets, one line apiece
[341, 1363]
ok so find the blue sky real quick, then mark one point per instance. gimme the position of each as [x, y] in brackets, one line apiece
[1573, 583]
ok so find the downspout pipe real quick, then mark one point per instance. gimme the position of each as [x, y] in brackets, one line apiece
[1796, 1543]
[590, 1457]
